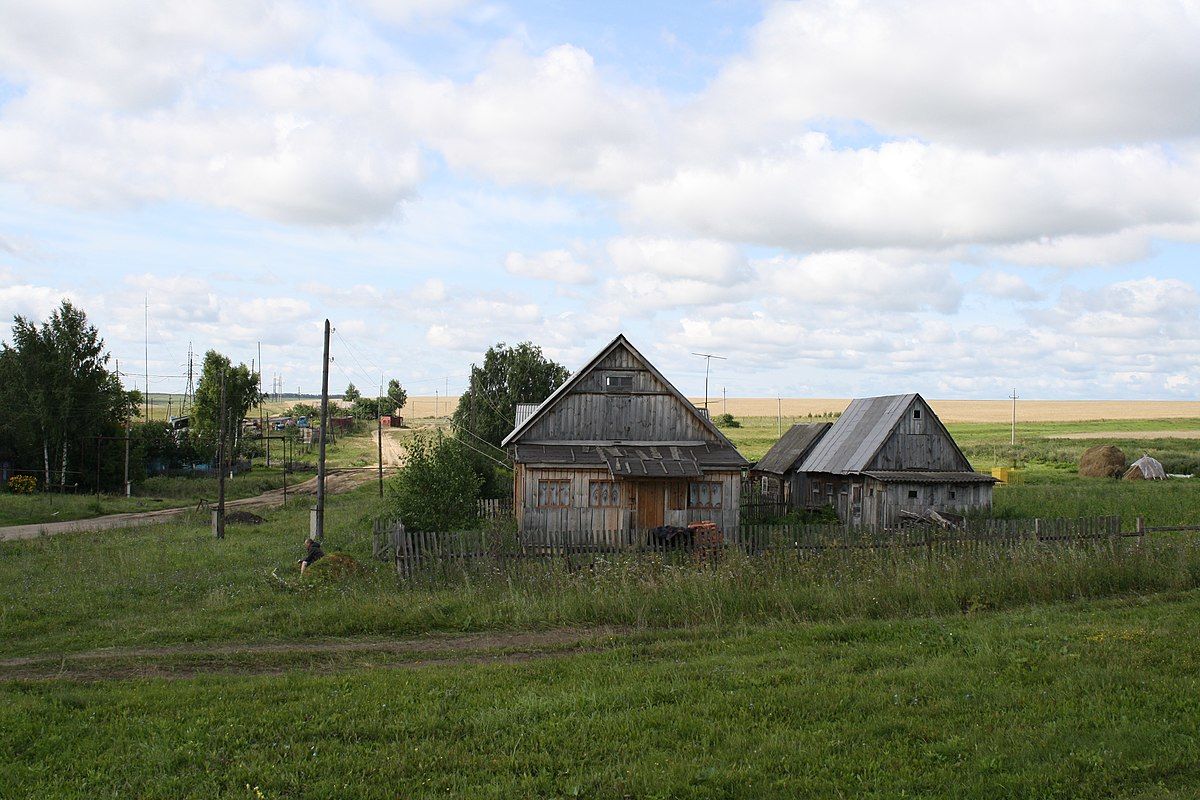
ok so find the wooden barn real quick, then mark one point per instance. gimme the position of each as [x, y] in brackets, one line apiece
[777, 472]
[885, 455]
[618, 448]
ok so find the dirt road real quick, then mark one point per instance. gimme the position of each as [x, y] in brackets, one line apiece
[189, 660]
[393, 452]
[335, 482]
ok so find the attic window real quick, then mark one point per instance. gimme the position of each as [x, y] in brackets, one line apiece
[618, 383]
[916, 413]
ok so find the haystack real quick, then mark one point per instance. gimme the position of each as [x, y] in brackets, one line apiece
[1146, 469]
[1102, 461]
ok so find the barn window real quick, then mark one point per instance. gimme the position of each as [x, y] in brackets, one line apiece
[816, 490]
[604, 494]
[953, 494]
[916, 413]
[554, 494]
[618, 383]
[912, 494]
[704, 494]
[829, 489]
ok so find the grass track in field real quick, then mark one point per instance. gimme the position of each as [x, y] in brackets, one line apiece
[1075, 701]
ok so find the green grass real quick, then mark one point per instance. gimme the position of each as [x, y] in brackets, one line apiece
[173, 583]
[1078, 701]
[149, 495]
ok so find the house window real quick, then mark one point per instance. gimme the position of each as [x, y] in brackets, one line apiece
[916, 413]
[618, 383]
[953, 494]
[704, 494]
[912, 494]
[816, 490]
[554, 494]
[604, 494]
[829, 489]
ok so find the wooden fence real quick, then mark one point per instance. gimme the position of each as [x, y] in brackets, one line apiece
[495, 508]
[418, 551]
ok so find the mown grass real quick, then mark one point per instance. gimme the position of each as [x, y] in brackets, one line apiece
[173, 583]
[1078, 701]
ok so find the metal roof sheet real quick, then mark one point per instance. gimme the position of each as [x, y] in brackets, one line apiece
[857, 435]
[793, 446]
[918, 476]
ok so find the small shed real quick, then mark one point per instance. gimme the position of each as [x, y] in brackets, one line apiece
[777, 471]
[619, 448]
[886, 455]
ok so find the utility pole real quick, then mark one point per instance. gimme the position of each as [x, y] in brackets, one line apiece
[1014, 397]
[379, 419]
[146, 341]
[779, 414]
[724, 406]
[708, 357]
[128, 490]
[318, 523]
[219, 517]
[435, 403]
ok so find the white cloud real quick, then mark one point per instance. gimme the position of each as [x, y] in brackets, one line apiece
[551, 265]
[1005, 285]
[700, 260]
[1066, 72]
[862, 281]
[1125, 246]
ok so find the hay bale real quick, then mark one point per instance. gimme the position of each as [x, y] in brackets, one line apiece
[1146, 469]
[1102, 461]
[335, 566]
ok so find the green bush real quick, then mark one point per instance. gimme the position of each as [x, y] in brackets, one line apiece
[726, 421]
[22, 484]
[437, 488]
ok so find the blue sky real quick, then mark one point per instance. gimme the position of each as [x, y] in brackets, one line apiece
[844, 198]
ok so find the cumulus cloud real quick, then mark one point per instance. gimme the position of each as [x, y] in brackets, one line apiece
[862, 280]
[551, 265]
[697, 260]
[1006, 286]
[1068, 72]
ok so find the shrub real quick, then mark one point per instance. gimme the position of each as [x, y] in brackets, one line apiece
[726, 421]
[22, 484]
[437, 488]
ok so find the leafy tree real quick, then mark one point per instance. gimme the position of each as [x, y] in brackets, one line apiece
[351, 394]
[57, 394]
[303, 410]
[436, 489]
[241, 392]
[396, 396]
[509, 375]
[365, 408]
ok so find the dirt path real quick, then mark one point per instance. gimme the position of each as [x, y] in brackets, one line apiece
[393, 451]
[336, 481]
[189, 660]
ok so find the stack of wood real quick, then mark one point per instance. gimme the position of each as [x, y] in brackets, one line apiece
[708, 542]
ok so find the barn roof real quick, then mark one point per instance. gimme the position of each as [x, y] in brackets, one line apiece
[655, 460]
[570, 383]
[857, 435]
[919, 476]
[786, 454]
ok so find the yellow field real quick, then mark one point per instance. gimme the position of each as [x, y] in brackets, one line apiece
[948, 410]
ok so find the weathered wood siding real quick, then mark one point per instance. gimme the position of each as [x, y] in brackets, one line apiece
[579, 515]
[648, 412]
[920, 443]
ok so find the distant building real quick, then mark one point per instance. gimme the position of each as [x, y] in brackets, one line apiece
[886, 455]
[618, 448]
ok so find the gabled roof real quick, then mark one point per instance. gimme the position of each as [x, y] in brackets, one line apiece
[856, 438]
[792, 447]
[562, 391]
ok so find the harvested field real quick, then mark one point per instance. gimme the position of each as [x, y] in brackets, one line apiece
[948, 410]
[1119, 435]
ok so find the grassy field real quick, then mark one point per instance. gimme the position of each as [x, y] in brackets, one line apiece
[1041, 672]
[155, 493]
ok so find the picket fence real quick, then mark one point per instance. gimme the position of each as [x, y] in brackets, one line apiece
[415, 552]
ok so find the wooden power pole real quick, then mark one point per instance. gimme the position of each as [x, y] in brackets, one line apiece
[318, 522]
[379, 419]
[219, 518]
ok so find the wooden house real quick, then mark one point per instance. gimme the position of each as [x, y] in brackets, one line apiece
[885, 455]
[618, 448]
[777, 472]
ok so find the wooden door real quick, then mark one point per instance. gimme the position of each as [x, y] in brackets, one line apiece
[650, 501]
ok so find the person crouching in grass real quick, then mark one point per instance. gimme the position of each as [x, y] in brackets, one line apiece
[312, 551]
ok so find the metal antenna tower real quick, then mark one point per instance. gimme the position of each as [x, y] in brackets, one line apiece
[708, 357]
[189, 394]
